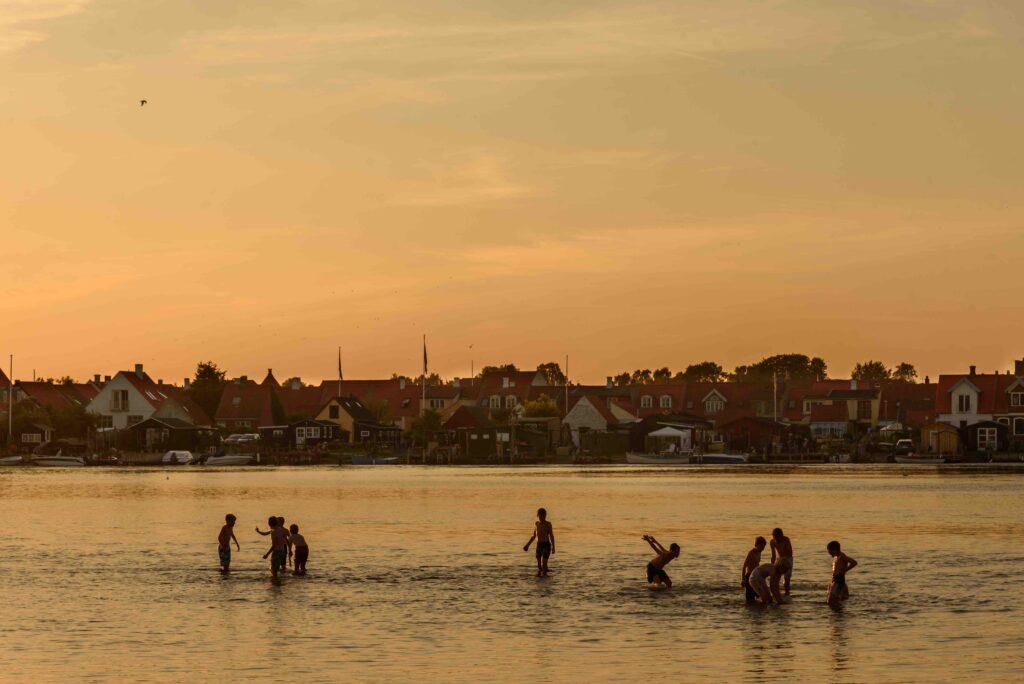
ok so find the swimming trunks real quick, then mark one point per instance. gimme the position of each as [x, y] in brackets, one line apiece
[279, 559]
[224, 553]
[654, 571]
[543, 549]
[751, 595]
[301, 555]
[785, 565]
[838, 584]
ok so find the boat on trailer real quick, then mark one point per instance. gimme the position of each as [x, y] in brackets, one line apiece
[58, 461]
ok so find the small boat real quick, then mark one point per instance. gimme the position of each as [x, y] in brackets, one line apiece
[724, 459]
[58, 461]
[668, 458]
[177, 458]
[921, 460]
[231, 460]
[11, 460]
[369, 459]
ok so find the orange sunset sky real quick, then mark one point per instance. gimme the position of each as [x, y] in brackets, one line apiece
[636, 184]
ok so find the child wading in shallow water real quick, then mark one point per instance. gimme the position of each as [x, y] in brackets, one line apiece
[301, 550]
[279, 541]
[656, 568]
[841, 564]
[224, 539]
[544, 533]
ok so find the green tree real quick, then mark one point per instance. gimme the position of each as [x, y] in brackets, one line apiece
[433, 380]
[642, 377]
[661, 376]
[622, 379]
[503, 368]
[870, 371]
[424, 426]
[784, 367]
[206, 387]
[379, 409]
[541, 407]
[553, 372]
[705, 371]
[72, 421]
[905, 372]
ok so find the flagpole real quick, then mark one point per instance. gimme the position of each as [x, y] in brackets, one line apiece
[339, 372]
[423, 402]
[567, 383]
[10, 403]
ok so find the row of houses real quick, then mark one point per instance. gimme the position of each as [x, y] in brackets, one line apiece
[990, 406]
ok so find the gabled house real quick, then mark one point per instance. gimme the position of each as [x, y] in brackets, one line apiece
[591, 413]
[245, 405]
[966, 400]
[829, 420]
[356, 422]
[508, 391]
[131, 397]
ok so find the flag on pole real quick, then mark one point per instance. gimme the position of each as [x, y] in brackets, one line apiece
[424, 356]
[340, 376]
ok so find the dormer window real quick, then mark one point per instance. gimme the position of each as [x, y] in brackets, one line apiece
[236, 401]
[1017, 399]
[713, 406]
[646, 401]
[665, 401]
[963, 403]
[510, 401]
[504, 383]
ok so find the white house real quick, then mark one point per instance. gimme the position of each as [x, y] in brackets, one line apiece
[131, 397]
[594, 413]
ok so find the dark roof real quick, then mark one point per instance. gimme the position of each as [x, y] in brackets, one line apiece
[356, 409]
[853, 393]
[172, 423]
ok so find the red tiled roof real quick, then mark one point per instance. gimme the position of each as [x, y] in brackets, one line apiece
[50, 395]
[246, 401]
[992, 398]
[829, 413]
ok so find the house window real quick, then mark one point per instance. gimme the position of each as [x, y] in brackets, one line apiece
[495, 401]
[300, 433]
[646, 401]
[435, 403]
[864, 409]
[1018, 426]
[963, 403]
[31, 438]
[1017, 399]
[119, 400]
[987, 439]
[1004, 421]
[713, 405]
[132, 420]
[244, 423]
[792, 403]
[236, 401]
[313, 432]
[106, 421]
[666, 401]
[334, 412]
[510, 401]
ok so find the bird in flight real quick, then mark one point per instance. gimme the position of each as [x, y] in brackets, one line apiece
[142, 103]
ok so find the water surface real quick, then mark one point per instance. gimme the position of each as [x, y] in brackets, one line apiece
[419, 573]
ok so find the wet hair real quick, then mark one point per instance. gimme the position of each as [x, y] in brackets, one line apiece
[280, 520]
[230, 518]
[272, 521]
[294, 528]
[760, 541]
[833, 546]
[542, 513]
[674, 548]
[777, 532]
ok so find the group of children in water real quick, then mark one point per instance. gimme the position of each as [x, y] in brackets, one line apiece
[287, 546]
[760, 581]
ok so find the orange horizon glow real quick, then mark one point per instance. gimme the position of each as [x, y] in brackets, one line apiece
[634, 184]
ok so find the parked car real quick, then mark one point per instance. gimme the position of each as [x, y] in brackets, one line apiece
[242, 438]
[903, 447]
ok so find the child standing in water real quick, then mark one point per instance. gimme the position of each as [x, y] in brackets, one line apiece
[841, 564]
[656, 568]
[279, 542]
[301, 550]
[782, 555]
[224, 539]
[544, 533]
[750, 563]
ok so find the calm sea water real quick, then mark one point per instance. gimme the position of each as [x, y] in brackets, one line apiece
[419, 574]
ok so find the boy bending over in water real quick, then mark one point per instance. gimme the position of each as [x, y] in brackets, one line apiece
[224, 539]
[545, 536]
[279, 544]
[656, 568]
[841, 564]
[750, 563]
[301, 549]
[782, 555]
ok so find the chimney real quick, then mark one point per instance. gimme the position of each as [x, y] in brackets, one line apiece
[160, 381]
[187, 383]
[106, 378]
[401, 383]
[138, 369]
[608, 382]
[504, 383]
[1018, 368]
[853, 384]
[974, 371]
[455, 383]
[296, 383]
[96, 378]
[927, 380]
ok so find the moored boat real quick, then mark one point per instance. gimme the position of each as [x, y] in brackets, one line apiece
[668, 458]
[920, 460]
[370, 459]
[58, 461]
[177, 458]
[724, 459]
[12, 460]
[231, 460]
